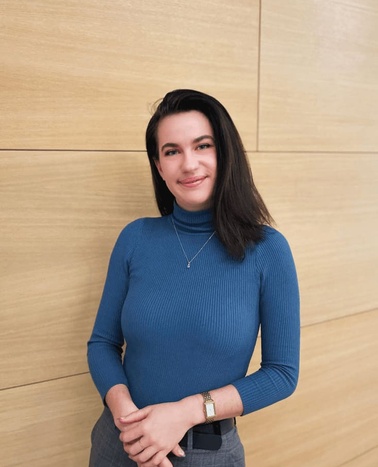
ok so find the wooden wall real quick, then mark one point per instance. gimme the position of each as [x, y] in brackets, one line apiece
[76, 84]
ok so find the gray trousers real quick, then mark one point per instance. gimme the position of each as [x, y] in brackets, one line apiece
[107, 449]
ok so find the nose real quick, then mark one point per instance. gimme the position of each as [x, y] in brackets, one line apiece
[189, 161]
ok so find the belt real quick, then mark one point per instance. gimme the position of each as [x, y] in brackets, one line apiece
[209, 435]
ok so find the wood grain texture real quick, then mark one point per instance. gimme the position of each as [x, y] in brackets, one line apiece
[83, 75]
[328, 421]
[368, 459]
[327, 207]
[48, 424]
[60, 214]
[332, 417]
[319, 67]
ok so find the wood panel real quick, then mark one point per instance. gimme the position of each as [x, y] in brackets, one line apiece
[319, 67]
[60, 214]
[368, 459]
[83, 75]
[332, 417]
[48, 423]
[327, 206]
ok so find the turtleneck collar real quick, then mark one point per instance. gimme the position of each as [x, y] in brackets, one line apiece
[193, 221]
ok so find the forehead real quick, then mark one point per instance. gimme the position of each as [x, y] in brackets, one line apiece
[184, 125]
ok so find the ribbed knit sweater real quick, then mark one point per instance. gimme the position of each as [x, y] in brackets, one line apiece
[193, 330]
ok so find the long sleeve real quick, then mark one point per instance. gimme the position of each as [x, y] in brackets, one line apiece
[106, 342]
[280, 327]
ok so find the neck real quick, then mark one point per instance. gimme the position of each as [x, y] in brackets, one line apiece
[193, 221]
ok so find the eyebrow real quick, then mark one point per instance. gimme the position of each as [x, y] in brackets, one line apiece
[196, 140]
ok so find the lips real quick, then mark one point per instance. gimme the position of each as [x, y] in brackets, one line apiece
[191, 181]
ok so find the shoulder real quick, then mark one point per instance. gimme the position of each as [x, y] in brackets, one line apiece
[273, 247]
[272, 239]
[134, 232]
[139, 226]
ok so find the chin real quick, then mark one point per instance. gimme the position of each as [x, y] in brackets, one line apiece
[194, 203]
[197, 206]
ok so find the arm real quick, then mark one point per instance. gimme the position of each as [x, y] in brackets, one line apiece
[280, 327]
[105, 345]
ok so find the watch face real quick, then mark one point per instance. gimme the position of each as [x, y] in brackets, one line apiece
[210, 410]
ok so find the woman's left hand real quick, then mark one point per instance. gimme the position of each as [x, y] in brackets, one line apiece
[149, 434]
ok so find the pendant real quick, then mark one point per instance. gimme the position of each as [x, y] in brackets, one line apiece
[182, 248]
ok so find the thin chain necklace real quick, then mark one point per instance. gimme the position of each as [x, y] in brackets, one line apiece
[189, 261]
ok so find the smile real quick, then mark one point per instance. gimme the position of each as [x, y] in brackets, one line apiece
[192, 181]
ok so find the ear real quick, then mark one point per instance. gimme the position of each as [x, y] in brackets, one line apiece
[158, 166]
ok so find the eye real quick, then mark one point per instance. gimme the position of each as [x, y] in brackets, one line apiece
[170, 152]
[204, 146]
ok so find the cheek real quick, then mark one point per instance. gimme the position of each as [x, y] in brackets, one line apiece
[158, 166]
[214, 166]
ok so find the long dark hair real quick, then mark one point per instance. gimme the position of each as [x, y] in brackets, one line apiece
[239, 212]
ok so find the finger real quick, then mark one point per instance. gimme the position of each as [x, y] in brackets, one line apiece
[127, 447]
[136, 416]
[132, 435]
[165, 463]
[177, 451]
[129, 428]
[157, 459]
[133, 449]
[145, 456]
[125, 424]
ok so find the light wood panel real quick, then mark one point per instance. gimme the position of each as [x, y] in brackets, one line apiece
[369, 459]
[48, 424]
[319, 67]
[327, 206]
[83, 75]
[332, 417]
[329, 420]
[60, 214]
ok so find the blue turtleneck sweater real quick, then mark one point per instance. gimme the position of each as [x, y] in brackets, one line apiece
[193, 330]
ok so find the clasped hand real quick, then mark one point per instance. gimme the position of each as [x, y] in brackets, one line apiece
[149, 434]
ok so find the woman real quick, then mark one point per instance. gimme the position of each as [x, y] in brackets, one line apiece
[188, 292]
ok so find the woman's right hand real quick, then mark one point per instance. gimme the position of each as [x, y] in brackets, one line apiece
[120, 403]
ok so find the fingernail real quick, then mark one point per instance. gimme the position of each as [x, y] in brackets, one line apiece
[182, 453]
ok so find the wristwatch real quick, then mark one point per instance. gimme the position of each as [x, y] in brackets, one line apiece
[208, 407]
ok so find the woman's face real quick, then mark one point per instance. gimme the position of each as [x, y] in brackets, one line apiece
[187, 159]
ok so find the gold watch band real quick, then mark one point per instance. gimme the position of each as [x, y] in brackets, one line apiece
[208, 407]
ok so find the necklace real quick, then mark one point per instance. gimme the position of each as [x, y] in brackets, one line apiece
[198, 252]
